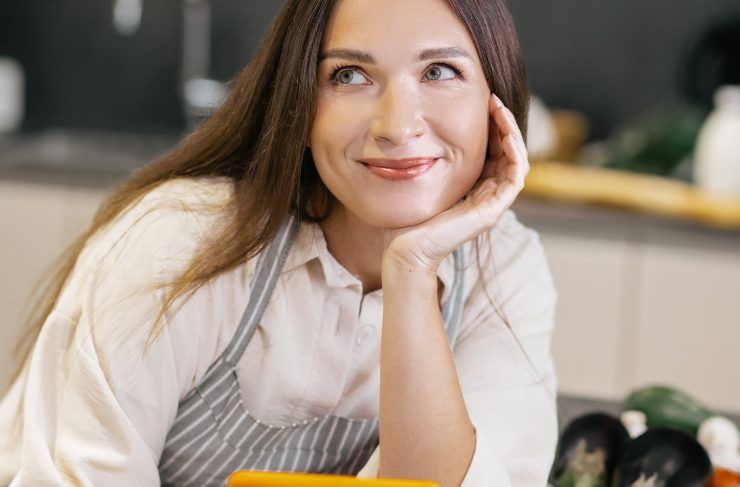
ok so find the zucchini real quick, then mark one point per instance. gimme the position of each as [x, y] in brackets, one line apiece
[667, 407]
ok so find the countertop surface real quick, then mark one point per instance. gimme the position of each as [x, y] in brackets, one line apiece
[604, 222]
[92, 158]
[570, 407]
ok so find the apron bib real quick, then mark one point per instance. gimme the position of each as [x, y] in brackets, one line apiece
[214, 434]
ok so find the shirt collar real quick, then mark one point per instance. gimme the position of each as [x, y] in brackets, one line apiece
[305, 247]
[310, 244]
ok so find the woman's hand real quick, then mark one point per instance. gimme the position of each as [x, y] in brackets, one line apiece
[424, 246]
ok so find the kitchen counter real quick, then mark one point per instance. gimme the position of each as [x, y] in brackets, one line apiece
[90, 158]
[570, 407]
[608, 223]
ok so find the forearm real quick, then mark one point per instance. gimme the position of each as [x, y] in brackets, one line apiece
[425, 429]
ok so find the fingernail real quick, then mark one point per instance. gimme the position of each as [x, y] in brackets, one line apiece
[498, 100]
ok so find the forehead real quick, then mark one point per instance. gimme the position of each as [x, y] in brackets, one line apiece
[397, 27]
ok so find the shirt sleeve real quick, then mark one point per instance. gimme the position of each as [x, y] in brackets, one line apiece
[510, 396]
[91, 407]
[507, 375]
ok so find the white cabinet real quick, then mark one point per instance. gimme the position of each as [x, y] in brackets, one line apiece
[590, 281]
[38, 221]
[688, 327]
[635, 311]
[31, 220]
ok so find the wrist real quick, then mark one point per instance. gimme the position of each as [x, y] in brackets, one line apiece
[397, 273]
[400, 259]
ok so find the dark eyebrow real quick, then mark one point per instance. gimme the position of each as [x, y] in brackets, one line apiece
[363, 57]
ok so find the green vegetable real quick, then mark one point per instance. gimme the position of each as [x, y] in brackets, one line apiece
[657, 141]
[668, 407]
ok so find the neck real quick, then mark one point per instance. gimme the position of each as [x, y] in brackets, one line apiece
[356, 245]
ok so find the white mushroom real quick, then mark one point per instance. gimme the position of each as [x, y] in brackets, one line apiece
[721, 439]
[634, 421]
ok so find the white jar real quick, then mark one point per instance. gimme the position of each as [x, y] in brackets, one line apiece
[11, 95]
[717, 151]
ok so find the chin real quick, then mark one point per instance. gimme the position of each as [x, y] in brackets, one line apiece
[385, 217]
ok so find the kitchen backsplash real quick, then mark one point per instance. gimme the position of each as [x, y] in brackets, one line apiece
[610, 60]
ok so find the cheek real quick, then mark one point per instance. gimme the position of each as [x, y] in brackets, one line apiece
[330, 138]
[335, 141]
[463, 124]
[321, 126]
[466, 122]
[334, 123]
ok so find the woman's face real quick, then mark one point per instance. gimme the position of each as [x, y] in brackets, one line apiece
[399, 99]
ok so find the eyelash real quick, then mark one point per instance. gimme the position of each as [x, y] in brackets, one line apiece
[337, 68]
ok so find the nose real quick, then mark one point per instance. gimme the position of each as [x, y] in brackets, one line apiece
[398, 116]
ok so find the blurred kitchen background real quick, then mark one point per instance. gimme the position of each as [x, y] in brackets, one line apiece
[634, 136]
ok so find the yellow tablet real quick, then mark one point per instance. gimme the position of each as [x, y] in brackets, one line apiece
[248, 478]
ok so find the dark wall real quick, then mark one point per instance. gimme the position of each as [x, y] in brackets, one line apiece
[609, 59]
[80, 72]
[612, 59]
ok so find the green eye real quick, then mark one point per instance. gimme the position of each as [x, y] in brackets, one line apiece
[438, 71]
[343, 76]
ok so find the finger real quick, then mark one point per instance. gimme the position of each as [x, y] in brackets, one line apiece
[512, 183]
[492, 165]
[495, 151]
[515, 167]
[508, 126]
[505, 197]
[490, 169]
[519, 154]
[511, 156]
[495, 168]
[507, 122]
[494, 131]
[511, 166]
[496, 199]
[459, 224]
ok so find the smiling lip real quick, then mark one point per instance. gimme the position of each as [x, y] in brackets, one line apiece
[399, 169]
[399, 163]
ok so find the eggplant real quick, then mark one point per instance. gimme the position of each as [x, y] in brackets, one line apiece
[663, 457]
[588, 451]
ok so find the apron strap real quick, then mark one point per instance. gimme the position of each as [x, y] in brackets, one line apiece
[269, 265]
[452, 308]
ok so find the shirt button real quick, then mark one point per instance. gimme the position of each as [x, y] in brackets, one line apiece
[365, 333]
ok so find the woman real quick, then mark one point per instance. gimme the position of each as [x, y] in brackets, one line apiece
[225, 309]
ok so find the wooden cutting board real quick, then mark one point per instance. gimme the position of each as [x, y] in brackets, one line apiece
[644, 193]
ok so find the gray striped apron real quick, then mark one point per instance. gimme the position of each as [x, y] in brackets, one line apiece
[214, 434]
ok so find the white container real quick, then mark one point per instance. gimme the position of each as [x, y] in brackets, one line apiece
[717, 152]
[11, 95]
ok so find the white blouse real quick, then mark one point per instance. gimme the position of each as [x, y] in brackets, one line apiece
[91, 408]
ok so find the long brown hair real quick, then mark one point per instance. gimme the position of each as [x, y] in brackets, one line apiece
[257, 140]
